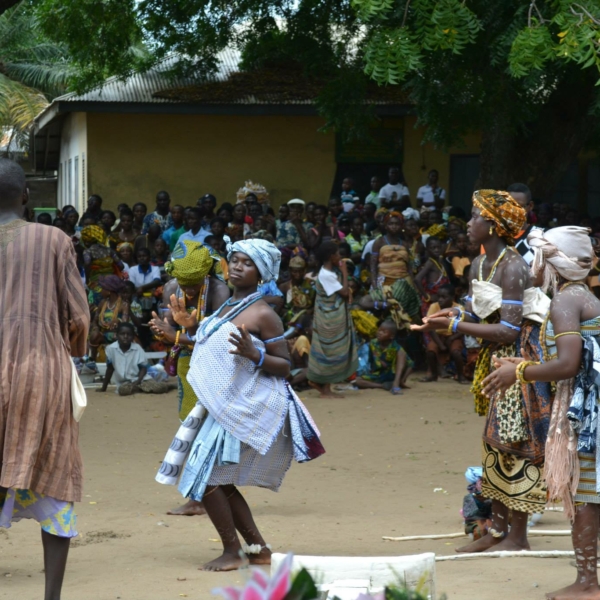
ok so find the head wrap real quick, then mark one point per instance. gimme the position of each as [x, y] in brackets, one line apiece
[297, 263]
[391, 215]
[124, 246]
[256, 189]
[296, 201]
[190, 262]
[503, 209]
[563, 251]
[111, 283]
[263, 254]
[411, 213]
[93, 234]
[459, 222]
[437, 230]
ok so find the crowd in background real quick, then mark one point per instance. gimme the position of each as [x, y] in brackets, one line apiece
[369, 267]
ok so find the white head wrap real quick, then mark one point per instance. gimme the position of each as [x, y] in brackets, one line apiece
[265, 256]
[411, 213]
[565, 251]
[296, 201]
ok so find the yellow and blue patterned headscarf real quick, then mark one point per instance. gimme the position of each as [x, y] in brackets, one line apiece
[191, 262]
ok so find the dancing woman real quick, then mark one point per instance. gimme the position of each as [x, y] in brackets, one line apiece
[562, 261]
[248, 423]
[505, 311]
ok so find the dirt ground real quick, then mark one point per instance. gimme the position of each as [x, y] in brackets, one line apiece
[385, 455]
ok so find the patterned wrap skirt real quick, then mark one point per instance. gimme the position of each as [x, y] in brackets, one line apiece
[56, 517]
[586, 490]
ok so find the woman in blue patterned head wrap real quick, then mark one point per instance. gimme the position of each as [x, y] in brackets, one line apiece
[246, 415]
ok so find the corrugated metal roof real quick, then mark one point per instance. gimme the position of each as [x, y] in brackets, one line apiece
[141, 87]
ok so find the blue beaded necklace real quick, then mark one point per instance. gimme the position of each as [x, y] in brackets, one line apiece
[240, 305]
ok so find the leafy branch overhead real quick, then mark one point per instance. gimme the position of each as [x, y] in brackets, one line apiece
[398, 33]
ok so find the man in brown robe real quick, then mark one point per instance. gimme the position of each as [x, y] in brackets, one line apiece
[44, 320]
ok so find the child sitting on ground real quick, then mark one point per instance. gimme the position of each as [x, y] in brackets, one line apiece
[127, 362]
[388, 362]
[443, 346]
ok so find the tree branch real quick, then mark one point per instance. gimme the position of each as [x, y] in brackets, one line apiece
[586, 12]
[405, 13]
[537, 10]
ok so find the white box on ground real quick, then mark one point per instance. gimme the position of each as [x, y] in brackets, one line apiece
[346, 589]
[413, 570]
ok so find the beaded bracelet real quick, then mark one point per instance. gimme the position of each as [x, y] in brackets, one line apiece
[451, 325]
[520, 372]
[376, 305]
[259, 364]
[455, 323]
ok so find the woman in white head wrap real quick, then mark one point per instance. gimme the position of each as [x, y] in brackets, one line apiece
[247, 424]
[563, 259]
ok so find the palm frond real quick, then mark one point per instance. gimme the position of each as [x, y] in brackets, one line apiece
[19, 104]
[51, 79]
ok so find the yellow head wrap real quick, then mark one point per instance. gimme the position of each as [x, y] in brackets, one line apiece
[190, 262]
[503, 209]
[93, 234]
[437, 230]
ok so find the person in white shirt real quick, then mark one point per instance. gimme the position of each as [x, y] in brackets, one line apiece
[145, 277]
[431, 196]
[195, 233]
[126, 364]
[395, 190]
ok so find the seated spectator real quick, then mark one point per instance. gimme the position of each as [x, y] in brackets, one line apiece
[432, 275]
[442, 345]
[195, 232]
[112, 310]
[147, 240]
[389, 366]
[299, 347]
[348, 196]
[126, 363]
[357, 239]
[299, 292]
[289, 234]
[44, 218]
[431, 195]
[146, 278]
[59, 223]
[107, 221]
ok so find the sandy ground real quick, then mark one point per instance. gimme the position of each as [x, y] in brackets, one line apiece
[385, 455]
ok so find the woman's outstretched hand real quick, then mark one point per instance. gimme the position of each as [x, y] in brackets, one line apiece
[503, 377]
[432, 324]
[243, 345]
[180, 314]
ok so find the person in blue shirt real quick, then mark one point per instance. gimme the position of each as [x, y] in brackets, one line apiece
[161, 215]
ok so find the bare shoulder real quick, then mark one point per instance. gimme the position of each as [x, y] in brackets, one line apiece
[515, 265]
[170, 288]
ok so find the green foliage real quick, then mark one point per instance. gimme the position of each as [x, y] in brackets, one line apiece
[303, 587]
[32, 70]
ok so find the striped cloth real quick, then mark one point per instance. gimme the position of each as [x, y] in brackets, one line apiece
[44, 318]
[586, 490]
[333, 353]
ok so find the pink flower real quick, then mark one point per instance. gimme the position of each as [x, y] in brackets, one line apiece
[260, 587]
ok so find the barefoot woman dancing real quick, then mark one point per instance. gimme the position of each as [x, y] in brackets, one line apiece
[248, 424]
[563, 258]
[505, 311]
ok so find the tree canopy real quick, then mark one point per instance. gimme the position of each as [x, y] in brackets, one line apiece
[524, 72]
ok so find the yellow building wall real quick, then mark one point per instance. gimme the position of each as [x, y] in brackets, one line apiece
[132, 157]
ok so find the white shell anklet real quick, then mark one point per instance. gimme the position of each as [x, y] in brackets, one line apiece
[255, 548]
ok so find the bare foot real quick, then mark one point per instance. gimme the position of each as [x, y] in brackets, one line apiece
[404, 386]
[189, 509]
[427, 379]
[509, 545]
[487, 542]
[577, 591]
[264, 558]
[325, 391]
[225, 562]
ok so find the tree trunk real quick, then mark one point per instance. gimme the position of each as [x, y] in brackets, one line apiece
[541, 155]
